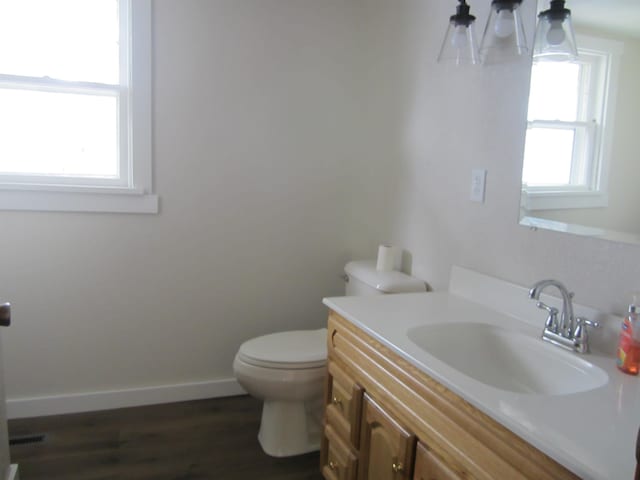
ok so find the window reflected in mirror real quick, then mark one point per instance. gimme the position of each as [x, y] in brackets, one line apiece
[580, 163]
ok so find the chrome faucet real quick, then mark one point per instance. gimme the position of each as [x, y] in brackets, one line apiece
[568, 332]
[565, 326]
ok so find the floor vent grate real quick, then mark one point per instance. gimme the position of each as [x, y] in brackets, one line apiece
[27, 439]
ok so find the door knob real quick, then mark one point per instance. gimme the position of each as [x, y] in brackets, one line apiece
[5, 314]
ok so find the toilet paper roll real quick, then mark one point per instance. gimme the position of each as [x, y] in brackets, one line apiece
[387, 258]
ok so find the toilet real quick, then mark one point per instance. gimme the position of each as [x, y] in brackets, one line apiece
[287, 369]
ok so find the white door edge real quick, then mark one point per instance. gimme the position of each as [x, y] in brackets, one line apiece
[13, 472]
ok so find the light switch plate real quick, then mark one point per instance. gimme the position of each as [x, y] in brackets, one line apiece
[478, 180]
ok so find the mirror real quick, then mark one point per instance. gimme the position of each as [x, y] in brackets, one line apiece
[581, 169]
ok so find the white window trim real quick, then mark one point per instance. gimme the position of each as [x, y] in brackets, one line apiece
[563, 199]
[138, 197]
[547, 198]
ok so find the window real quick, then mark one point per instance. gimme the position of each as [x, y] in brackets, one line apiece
[75, 95]
[571, 106]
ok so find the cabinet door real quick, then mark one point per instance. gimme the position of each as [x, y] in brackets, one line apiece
[386, 447]
[338, 462]
[429, 467]
[344, 404]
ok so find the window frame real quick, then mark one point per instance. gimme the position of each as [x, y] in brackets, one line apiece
[599, 136]
[132, 192]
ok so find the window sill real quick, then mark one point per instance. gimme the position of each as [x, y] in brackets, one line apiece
[80, 200]
[546, 224]
[559, 200]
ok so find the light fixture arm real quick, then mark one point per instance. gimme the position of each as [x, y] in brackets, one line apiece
[556, 11]
[459, 45]
[504, 38]
[462, 16]
[555, 38]
[505, 4]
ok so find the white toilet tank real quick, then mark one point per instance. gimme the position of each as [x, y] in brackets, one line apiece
[362, 278]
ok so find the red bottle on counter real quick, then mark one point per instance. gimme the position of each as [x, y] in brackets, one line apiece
[628, 358]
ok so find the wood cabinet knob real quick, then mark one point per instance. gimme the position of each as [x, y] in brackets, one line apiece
[336, 401]
[397, 467]
[333, 335]
[333, 466]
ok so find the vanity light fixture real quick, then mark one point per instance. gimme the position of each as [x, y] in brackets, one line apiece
[459, 45]
[555, 39]
[503, 38]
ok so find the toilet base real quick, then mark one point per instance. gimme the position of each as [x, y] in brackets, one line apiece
[290, 428]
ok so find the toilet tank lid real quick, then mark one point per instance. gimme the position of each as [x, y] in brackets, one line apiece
[387, 282]
[292, 347]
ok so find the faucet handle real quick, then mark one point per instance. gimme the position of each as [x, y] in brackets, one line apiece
[580, 336]
[544, 306]
[552, 319]
[587, 322]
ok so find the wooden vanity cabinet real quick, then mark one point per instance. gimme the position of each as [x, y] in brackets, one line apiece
[387, 420]
[429, 467]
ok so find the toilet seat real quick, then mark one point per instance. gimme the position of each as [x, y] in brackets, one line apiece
[294, 350]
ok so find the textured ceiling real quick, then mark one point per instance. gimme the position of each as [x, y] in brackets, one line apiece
[622, 16]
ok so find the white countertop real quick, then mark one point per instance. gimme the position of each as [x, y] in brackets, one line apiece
[591, 433]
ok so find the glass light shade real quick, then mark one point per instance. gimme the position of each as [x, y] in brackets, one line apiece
[459, 45]
[503, 39]
[555, 40]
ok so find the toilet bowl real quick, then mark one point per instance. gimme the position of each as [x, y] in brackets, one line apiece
[286, 370]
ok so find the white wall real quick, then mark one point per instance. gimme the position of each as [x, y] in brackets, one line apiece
[290, 135]
[432, 125]
[254, 131]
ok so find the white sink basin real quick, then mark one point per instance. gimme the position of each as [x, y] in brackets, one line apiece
[507, 359]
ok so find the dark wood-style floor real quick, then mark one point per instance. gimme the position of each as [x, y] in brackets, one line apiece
[206, 439]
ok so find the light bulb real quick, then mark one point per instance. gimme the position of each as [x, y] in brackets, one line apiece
[556, 35]
[459, 37]
[505, 25]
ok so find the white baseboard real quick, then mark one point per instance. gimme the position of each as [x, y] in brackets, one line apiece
[109, 399]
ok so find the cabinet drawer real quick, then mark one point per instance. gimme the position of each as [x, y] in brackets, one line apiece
[428, 466]
[339, 462]
[344, 404]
